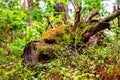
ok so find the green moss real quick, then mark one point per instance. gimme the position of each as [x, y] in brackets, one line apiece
[64, 35]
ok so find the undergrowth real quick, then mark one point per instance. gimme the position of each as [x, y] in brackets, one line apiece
[101, 63]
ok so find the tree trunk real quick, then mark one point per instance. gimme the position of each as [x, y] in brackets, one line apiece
[59, 7]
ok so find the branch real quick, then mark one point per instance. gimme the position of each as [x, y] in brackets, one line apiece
[94, 20]
[111, 16]
[50, 23]
[101, 25]
[90, 16]
[74, 3]
[77, 18]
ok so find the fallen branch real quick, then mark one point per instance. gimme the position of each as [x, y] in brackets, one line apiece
[101, 25]
[90, 16]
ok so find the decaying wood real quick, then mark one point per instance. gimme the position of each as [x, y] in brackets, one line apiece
[75, 5]
[91, 16]
[101, 25]
[77, 18]
[32, 55]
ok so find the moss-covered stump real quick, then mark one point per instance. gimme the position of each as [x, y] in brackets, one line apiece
[35, 52]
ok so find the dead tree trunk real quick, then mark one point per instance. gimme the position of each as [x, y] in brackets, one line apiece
[101, 25]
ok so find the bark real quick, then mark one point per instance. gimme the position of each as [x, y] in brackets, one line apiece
[59, 7]
[77, 18]
[91, 16]
[74, 3]
[32, 53]
[30, 7]
[101, 25]
[94, 20]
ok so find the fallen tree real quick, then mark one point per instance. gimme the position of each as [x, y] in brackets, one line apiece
[101, 25]
[67, 37]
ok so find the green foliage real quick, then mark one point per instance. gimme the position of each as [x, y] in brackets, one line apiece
[95, 62]
[91, 5]
[12, 19]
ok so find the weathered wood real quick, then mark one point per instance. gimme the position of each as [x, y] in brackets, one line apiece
[75, 5]
[35, 52]
[90, 16]
[77, 18]
[101, 25]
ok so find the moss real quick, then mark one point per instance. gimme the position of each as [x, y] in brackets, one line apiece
[59, 35]
[63, 36]
[46, 49]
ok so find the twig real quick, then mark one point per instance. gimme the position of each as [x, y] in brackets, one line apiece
[50, 23]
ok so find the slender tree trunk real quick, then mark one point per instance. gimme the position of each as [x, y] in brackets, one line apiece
[30, 7]
[59, 7]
